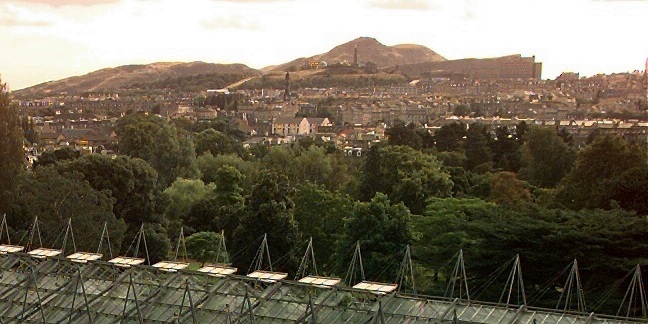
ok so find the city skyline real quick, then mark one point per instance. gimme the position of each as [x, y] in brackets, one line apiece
[54, 39]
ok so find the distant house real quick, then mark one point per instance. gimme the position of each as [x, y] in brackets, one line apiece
[285, 126]
[317, 125]
[268, 140]
[49, 140]
[205, 113]
[85, 139]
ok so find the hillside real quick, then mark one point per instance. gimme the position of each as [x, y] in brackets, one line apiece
[155, 74]
[370, 50]
[197, 76]
[324, 78]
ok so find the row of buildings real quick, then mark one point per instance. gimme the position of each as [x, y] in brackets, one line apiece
[94, 134]
[506, 67]
[579, 105]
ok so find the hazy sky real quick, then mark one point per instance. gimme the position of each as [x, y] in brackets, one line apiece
[42, 40]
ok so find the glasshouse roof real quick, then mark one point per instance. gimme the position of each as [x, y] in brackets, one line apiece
[58, 289]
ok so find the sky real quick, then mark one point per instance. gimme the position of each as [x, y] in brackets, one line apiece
[44, 40]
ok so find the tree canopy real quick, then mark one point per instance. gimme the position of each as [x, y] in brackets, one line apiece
[383, 230]
[604, 171]
[12, 156]
[269, 211]
[130, 181]
[404, 175]
[546, 157]
[205, 247]
[60, 198]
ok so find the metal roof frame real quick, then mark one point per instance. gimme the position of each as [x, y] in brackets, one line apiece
[57, 289]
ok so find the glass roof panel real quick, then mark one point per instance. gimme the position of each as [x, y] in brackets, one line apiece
[171, 266]
[44, 253]
[126, 262]
[268, 275]
[5, 248]
[84, 257]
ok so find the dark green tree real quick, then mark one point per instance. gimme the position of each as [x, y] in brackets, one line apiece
[451, 137]
[12, 155]
[130, 181]
[404, 134]
[157, 245]
[204, 247]
[478, 150]
[137, 134]
[315, 165]
[442, 232]
[506, 150]
[224, 125]
[182, 195]
[222, 208]
[184, 126]
[157, 241]
[603, 172]
[257, 151]
[452, 159]
[608, 243]
[404, 175]
[173, 156]
[546, 157]
[630, 189]
[216, 143]
[30, 134]
[427, 139]
[210, 164]
[54, 199]
[461, 180]
[461, 110]
[480, 185]
[228, 185]
[506, 189]
[57, 156]
[281, 159]
[320, 214]
[566, 136]
[384, 230]
[269, 211]
[520, 131]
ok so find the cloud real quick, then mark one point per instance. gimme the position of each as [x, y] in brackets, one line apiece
[252, 1]
[15, 16]
[469, 10]
[401, 4]
[230, 22]
[61, 3]
[8, 20]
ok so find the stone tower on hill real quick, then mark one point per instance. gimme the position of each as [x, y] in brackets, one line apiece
[355, 55]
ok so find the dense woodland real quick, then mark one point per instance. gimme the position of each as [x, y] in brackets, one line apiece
[523, 192]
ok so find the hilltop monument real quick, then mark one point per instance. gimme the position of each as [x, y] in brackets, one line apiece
[355, 55]
[287, 87]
